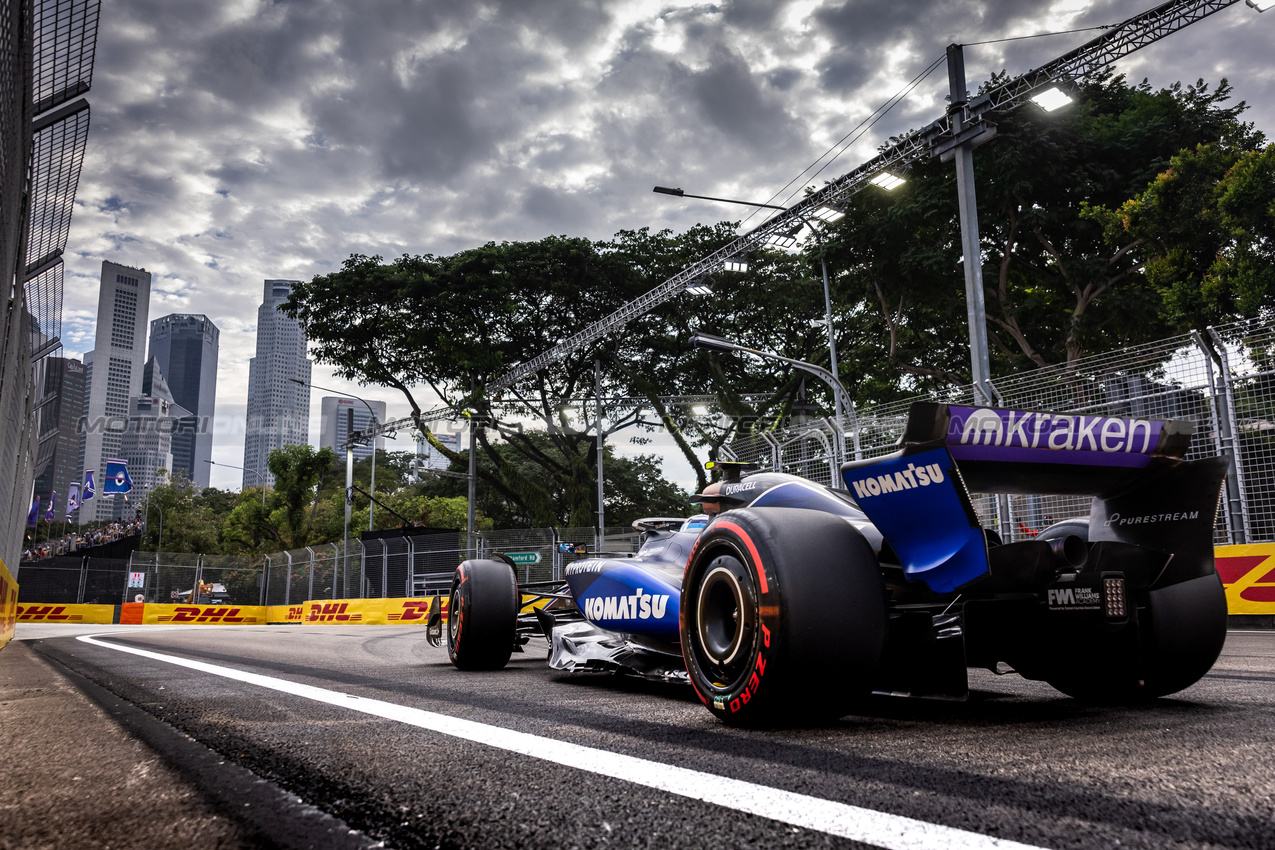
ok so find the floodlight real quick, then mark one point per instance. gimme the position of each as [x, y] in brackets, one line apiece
[700, 409]
[887, 181]
[1055, 98]
[1261, 5]
[781, 240]
[735, 265]
[699, 289]
[828, 214]
[818, 323]
[665, 190]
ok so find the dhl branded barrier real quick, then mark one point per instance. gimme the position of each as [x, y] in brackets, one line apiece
[369, 612]
[8, 604]
[1248, 574]
[285, 613]
[146, 613]
[66, 613]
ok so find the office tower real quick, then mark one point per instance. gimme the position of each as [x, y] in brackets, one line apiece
[434, 459]
[185, 348]
[58, 455]
[278, 409]
[334, 418]
[153, 425]
[123, 308]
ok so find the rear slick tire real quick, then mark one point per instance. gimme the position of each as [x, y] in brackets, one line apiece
[783, 616]
[482, 618]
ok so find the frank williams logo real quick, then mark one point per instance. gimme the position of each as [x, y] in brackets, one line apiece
[905, 479]
[639, 606]
[1147, 519]
[1074, 597]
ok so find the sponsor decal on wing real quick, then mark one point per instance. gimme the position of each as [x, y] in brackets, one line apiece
[985, 433]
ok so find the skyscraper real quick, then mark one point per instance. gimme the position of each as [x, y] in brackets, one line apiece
[123, 307]
[153, 430]
[278, 409]
[185, 347]
[334, 419]
[58, 455]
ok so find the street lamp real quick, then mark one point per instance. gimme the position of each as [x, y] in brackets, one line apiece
[827, 215]
[260, 477]
[371, 505]
[840, 398]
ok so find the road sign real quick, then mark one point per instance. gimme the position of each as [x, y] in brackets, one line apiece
[523, 557]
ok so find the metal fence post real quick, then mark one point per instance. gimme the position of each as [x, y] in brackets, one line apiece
[287, 582]
[1235, 488]
[199, 577]
[265, 579]
[336, 553]
[84, 577]
[1218, 416]
[310, 587]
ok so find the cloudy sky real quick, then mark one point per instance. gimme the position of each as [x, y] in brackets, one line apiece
[238, 140]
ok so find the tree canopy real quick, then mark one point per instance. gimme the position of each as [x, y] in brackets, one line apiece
[1071, 266]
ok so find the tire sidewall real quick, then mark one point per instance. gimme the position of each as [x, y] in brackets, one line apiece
[762, 646]
[482, 617]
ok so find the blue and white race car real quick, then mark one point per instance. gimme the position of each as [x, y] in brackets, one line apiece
[797, 599]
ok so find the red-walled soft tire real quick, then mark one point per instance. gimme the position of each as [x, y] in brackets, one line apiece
[483, 616]
[783, 616]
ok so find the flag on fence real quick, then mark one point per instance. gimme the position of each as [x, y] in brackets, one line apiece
[34, 516]
[117, 480]
[53, 500]
[89, 491]
[72, 498]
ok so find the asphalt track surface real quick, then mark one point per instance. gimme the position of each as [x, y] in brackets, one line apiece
[373, 726]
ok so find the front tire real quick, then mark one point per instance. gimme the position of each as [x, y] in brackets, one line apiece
[782, 616]
[483, 616]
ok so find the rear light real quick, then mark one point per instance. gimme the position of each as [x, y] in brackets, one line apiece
[1114, 599]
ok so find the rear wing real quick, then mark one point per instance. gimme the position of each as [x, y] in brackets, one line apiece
[1143, 492]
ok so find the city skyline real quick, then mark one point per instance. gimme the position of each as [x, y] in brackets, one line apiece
[327, 130]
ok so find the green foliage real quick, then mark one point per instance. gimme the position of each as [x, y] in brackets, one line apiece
[1055, 286]
[1203, 234]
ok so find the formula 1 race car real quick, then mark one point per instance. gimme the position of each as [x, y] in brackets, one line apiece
[797, 599]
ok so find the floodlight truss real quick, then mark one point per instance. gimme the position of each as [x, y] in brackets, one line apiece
[1119, 41]
[518, 408]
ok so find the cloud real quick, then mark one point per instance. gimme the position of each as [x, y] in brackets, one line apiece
[237, 140]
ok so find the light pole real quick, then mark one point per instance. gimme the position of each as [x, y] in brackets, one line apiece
[825, 214]
[260, 477]
[371, 505]
[716, 343]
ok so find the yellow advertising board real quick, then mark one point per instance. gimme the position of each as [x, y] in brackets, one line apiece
[8, 604]
[369, 612]
[1248, 574]
[38, 613]
[200, 615]
[285, 613]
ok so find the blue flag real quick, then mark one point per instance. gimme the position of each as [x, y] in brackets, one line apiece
[53, 500]
[34, 516]
[89, 490]
[73, 498]
[117, 480]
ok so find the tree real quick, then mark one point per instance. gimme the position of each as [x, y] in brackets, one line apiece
[1055, 287]
[1203, 234]
[288, 519]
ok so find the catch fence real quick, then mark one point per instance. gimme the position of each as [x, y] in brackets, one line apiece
[390, 567]
[1222, 381]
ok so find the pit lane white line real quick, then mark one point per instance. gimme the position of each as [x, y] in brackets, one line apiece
[880, 829]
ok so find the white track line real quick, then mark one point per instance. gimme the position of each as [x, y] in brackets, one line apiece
[871, 827]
